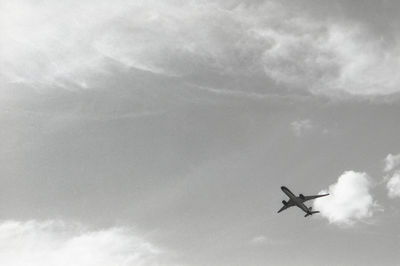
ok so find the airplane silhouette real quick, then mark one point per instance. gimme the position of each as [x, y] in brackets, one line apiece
[298, 201]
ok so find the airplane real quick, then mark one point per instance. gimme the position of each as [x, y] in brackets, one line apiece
[298, 201]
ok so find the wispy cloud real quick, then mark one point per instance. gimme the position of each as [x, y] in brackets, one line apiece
[52, 243]
[258, 240]
[350, 199]
[261, 240]
[66, 45]
[301, 127]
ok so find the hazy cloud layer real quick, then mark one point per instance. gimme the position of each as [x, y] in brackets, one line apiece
[55, 243]
[350, 199]
[54, 44]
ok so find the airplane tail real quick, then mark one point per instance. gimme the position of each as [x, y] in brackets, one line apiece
[311, 213]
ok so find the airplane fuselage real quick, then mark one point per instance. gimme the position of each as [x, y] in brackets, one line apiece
[296, 200]
[299, 201]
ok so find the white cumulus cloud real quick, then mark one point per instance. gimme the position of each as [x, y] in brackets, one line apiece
[391, 162]
[350, 199]
[393, 185]
[53, 243]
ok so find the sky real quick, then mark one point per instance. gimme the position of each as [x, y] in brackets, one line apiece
[144, 133]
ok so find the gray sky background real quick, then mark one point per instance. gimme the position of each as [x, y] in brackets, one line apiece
[164, 129]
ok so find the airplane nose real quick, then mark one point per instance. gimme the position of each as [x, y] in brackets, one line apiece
[283, 188]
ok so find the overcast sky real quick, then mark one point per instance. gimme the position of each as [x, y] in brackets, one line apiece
[143, 133]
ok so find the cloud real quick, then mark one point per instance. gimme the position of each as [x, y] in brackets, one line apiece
[332, 58]
[258, 240]
[261, 240]
[66, 44]
[300, 127]
[393, 185]
[391, 162]
[55, 243]
[350, 199]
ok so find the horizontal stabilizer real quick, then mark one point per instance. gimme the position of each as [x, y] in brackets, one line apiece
[311, 213]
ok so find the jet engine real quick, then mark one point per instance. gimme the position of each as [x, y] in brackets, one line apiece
[284, 202]
[301, 196]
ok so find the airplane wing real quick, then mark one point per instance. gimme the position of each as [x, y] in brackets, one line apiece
[288, 205]
[306, 198]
